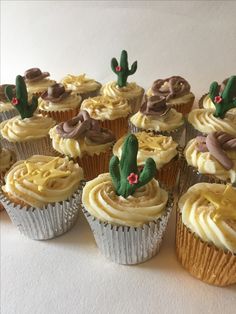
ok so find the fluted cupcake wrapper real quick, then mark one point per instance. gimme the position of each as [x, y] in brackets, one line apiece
[136, 102]
[24, 150]
[44, 223]
[129, 245]
[191, 132]
[200, 102]
[190, 176]
[203, 260]
[184, 108]
[119, 127]
[6, 115]
[176, 134]
[60, 116]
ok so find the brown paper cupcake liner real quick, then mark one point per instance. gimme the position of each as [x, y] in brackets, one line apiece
[203, 260]
[60, 116]
[136, 102]
[184, 108]
[119, 127]
[168, 174]
[24, 150]
[200, 102]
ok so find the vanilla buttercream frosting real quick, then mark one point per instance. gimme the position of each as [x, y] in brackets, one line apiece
[172, 120]
[106, 107]
[209, 210]
[80, 83]
[208, 104]
[130, 91]
[39, 86]
[204, 121]
[40, 180]
[148, 203]
[19, 130]
[161, 148]
[70, 102]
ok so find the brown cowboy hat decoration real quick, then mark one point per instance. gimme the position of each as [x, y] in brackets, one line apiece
[35, 74]
[55, 93]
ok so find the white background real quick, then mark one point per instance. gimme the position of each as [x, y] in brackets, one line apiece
[68, 275]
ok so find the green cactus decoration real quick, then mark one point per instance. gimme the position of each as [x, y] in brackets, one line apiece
[20, 101]
[122, 70]
[124, 172]
[226, 100]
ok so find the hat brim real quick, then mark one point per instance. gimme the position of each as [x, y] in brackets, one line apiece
[45, 96]
[37, 78]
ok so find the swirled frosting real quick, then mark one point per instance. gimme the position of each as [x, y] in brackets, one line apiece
[161, 148]
[71, 102]
[209, 210]
[204, 121]
[81, 135]
[19, 130]
[39, 86]
[168, 122]
[208, 104]
[130, 91]
[148, 203]
[175, 88]
[106, 107]
[40, 180]
[7, 159]
[206, 163]
[80, 83]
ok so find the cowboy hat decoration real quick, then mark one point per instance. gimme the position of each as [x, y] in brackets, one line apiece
[55, 93]
[34, 75]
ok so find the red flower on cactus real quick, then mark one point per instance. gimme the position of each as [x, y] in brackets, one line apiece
[118, 68]
[218, 99]
[132, 178]
[15, 101]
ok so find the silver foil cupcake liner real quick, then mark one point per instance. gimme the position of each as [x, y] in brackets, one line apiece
[44, 223]
[191, 132]
[129, 245]
[176, 134]
[190, 176]
[24, 150]
[6, 115]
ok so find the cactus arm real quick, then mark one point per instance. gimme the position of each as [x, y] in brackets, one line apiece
[133, 68]
[114, 64]
[9, 92]
[148, 172]
[115, 171]
[214, 90]
[34, 104]
[229, 91]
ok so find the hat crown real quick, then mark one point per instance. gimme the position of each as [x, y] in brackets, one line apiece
[33, 73]
[56, 90]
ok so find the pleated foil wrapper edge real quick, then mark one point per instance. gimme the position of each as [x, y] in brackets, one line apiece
[129, 245]
[49, 222]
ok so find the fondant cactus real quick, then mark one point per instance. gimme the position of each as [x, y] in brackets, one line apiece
[124, 172]
[122, 70]
[20, 101]
[226, 100]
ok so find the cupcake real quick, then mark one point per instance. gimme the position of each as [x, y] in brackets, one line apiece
[7, 111]
[127, 210]
[26, 134]
[205, 121]
[162, 149]
[7, 159]
[83, 140]
[81, 85]
[42, 195]
[206, 233]
[112, 113]
[177, 92]
[59, 104]
[206, 102]
[154, 115]
[121, 88]
[37, 81]
[211, 158]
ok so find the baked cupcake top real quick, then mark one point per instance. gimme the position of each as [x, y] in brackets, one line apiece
[106, 107]
[40, 180]
[81, 135]
[37, 81]
[175, 89]
[155, 115]
[27, 126]
[5, 104]
[214, 154]
[80, 83]
[121, 87]
[7, 159]
[126, 196]
[209, 210]
[161, 148]
[56, 98]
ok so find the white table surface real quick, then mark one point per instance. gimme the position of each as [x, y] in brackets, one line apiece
[68, 275]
